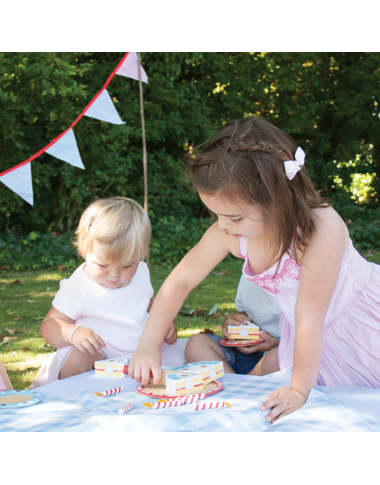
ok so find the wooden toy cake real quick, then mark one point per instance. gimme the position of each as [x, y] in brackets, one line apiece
[244, 332]
[117, 367]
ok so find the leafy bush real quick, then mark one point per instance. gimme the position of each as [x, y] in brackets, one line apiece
[328, 102]
[171, 240]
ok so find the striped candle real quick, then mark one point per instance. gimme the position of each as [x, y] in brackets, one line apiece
[126, 408]
[109, 392]
[211, 405]
[160, 405]
[188, 398]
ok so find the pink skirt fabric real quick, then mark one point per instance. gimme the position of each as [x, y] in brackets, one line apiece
[351, 342]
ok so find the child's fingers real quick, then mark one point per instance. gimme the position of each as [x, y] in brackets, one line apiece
[94, 342]
[270, 403]
[88, 346]
[274, 394]
[250, 349]
[276, 412]
[238, 319]
[156, 371]
[100, 340]
[285, 413]
[134, 372]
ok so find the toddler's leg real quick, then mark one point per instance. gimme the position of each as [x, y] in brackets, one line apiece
[77, 363]
[200, 347]
[268, 364]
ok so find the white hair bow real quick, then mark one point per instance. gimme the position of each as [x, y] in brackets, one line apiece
[294, 166]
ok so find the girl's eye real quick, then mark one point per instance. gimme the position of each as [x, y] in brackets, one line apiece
[102, 265]
[237, 220]
[128, 266]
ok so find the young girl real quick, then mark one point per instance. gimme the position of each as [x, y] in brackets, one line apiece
[296, 247]
[100, 311]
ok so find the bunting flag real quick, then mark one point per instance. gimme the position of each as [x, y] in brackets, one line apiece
[103, 109]
[20, 181]
[130, 68]
[64, 147]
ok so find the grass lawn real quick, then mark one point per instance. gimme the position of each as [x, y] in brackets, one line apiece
[25, 298]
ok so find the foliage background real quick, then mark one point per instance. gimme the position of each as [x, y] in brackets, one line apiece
[328, 102]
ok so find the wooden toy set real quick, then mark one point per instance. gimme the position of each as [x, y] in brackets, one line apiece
[192, 378]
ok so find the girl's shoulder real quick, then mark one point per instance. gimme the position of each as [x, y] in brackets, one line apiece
[327, 220]
[331, 233]
[221, 237]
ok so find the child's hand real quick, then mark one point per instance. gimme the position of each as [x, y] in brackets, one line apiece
[283, 401]
[235, 319]
[171, 337]
[270, 343]
[146, 359]
[87, 341]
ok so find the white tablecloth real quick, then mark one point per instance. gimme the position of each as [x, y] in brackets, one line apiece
[71, 405]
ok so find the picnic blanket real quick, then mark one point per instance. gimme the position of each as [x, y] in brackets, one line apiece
[71, 405]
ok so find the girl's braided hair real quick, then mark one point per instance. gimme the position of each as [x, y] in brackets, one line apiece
[245, 162]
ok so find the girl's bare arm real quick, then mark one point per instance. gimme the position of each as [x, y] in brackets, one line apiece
[195, 266]
[320, 269]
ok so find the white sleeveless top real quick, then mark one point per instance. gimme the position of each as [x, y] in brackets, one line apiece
[117, 315]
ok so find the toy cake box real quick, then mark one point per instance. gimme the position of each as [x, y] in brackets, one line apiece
[249, 331]
[111, 367]
[180, 384]
[210, 370]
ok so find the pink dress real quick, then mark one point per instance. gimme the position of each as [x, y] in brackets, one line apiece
[351, 327]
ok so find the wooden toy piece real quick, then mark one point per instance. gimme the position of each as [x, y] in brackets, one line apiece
[249, 331]
[211, 405]
[160, 405]
[110, 392]
[210, 370]
[19, 399]
[191, 398]
[180, 384]
[112, 367]
[160, 392]
[164, 373]
[125, 408]
[239, 343]
[5, 383]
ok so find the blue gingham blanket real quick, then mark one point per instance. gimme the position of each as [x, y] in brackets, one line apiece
[71, 405]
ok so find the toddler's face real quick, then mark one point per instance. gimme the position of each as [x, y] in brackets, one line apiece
[239, 220]
[107, 273]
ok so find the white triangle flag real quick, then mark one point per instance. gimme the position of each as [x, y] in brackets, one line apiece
[130, 68]
[20, 181]
[103, 109]
[66, 149]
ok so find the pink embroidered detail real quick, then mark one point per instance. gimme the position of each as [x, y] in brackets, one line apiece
[270, 283]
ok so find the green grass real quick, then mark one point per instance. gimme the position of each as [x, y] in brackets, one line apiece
[23, 306]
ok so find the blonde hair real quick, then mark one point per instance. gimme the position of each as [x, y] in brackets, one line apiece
[120, 224]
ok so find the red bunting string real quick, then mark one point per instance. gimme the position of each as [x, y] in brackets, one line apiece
[73, 124]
